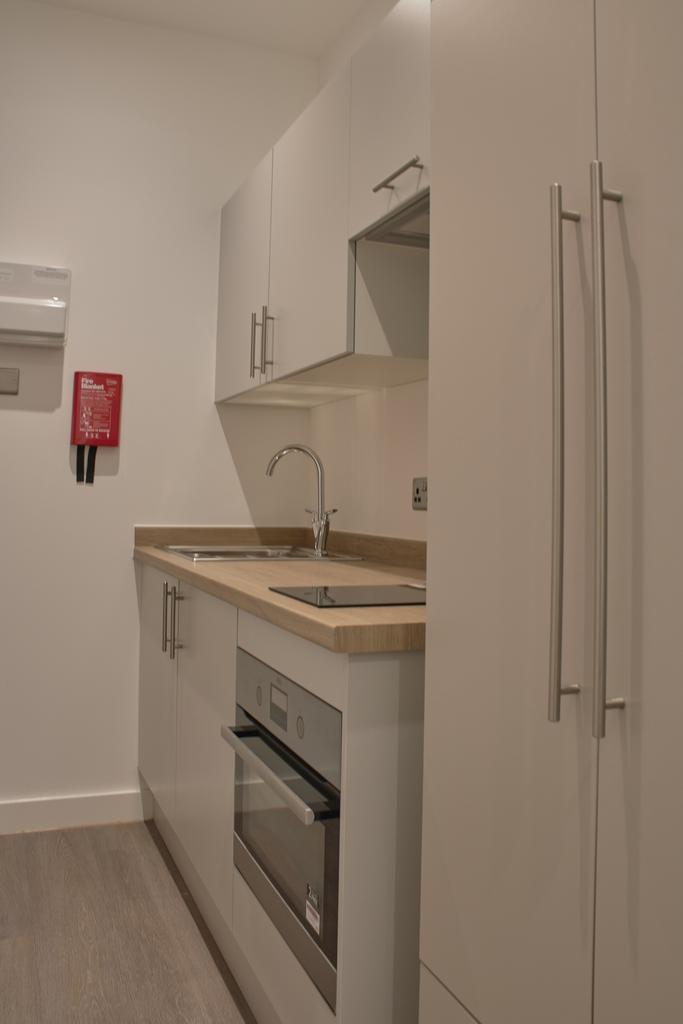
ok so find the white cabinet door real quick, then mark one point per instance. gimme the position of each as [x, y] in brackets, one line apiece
[639, 933]
[243, 282]
[205, 776]
[509, 799]
[281, 976]
[390, 113]
[309, 255]
[158, 696]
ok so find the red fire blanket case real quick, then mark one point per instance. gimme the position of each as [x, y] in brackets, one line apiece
[96, 418]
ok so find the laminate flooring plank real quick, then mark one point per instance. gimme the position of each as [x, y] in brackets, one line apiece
[18, 963]
[70, 929]
[15, 896]
[19, 1000]
[93, 930]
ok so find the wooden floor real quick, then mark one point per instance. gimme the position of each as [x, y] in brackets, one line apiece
[95, 930]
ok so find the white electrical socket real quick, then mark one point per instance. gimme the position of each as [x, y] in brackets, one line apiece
[420, 493]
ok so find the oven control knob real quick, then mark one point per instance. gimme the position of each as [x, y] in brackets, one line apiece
[300, 728]
[259, 695]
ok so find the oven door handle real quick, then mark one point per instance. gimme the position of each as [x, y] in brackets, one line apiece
[298, 807]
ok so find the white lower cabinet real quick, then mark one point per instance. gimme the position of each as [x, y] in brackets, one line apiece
[190, 770]
[205, 765]
[381, 699]
[286, 984]
[184, 700]
[158, 692]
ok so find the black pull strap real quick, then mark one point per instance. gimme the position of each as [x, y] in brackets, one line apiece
[80, 463]
[90, 471]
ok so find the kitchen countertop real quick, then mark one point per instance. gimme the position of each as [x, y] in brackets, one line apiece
[348, 630]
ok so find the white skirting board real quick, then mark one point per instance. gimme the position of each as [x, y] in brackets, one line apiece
[42, 813]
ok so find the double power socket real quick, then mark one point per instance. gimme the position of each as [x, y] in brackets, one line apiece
[420, 493]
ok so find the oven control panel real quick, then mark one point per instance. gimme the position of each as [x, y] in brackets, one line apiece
[309, 726]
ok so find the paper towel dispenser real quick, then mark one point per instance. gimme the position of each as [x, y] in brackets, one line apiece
[34, 304]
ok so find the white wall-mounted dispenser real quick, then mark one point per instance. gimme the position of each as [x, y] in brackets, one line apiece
[34, 304]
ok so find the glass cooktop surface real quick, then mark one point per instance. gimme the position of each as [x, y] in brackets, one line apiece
[356, 597]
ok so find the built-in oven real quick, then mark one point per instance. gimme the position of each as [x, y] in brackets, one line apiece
[287, 798]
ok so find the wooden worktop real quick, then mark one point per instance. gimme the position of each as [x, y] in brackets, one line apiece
[350, 630]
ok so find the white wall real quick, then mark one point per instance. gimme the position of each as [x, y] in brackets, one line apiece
[372, 447]
[119, 145]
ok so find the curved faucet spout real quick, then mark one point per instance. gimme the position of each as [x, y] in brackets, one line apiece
[304, 450]
[321, 518]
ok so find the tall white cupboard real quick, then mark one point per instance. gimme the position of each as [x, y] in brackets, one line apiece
[551, 879]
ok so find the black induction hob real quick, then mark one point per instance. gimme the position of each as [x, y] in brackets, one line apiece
[356, 597]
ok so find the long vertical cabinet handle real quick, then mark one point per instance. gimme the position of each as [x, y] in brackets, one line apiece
[555, 688]
[164, 617]
[175, 646]
[252, 357]
[264, 338]
[598, 195]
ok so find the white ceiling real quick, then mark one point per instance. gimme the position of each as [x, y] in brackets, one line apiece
[304, 27]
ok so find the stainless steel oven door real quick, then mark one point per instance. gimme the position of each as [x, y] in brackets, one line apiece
[287, 846]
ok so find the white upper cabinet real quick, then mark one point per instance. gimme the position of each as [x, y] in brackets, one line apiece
[293, 301]
[390, 114]
[243, 283]
[309, 256]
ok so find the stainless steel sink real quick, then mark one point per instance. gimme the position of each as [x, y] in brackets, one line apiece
[249, 553]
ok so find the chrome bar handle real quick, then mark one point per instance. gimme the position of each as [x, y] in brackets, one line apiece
[557, 520]
[264, 338]
[252, 359]
[164, 617]
[175, 646]
[555, 689]
[386, 182]
[598, 195]
[298, 807]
